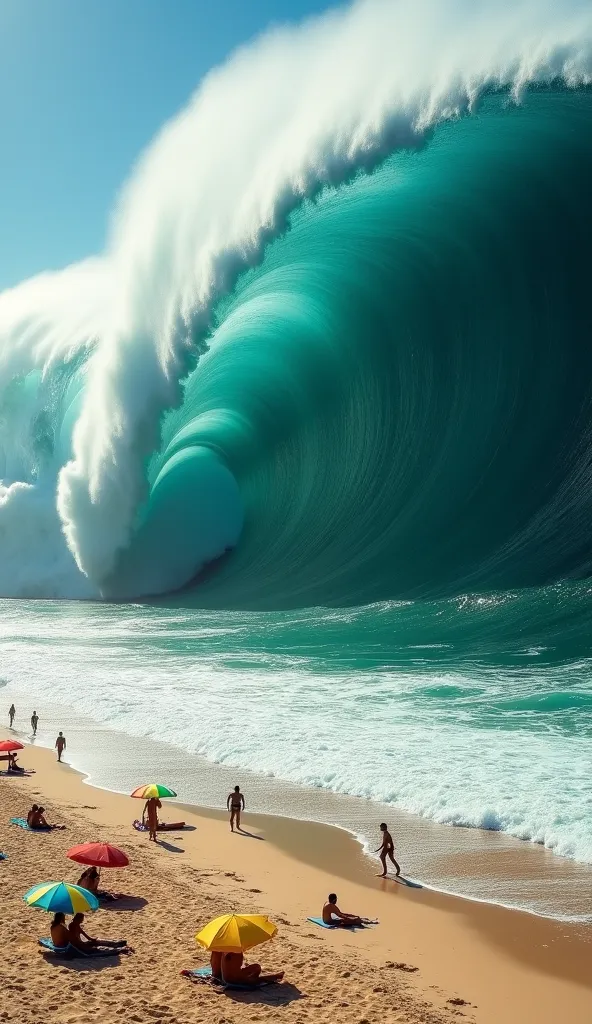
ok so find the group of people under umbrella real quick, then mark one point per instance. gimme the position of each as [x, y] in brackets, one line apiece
[226, 938]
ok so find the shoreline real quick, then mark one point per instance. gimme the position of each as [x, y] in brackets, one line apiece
[460, 947]
[474, 865]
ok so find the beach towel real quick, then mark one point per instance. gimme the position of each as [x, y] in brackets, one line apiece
[6, 774]
[22, 823]
[3, 856]
[71, 951]
[58, 950]
[205, 974]
[322, 924]
[173, 826]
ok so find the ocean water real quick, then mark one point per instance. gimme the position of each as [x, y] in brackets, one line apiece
[318, 424]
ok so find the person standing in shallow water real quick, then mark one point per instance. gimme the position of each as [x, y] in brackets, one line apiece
[60, 745]
[34, 722]
[235, 804]
[11, 714]
[387, 849]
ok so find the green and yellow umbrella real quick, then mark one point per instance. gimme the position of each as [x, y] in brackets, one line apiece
[235, 933]
[63, 897]
[152, 790]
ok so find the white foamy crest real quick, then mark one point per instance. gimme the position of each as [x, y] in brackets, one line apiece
[300, 108]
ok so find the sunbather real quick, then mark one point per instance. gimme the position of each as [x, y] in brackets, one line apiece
[59, 932]
[37, 819]
[34, 810]
[90, 879]
[216, 965]
[334, 916]
[86, 944]
[234, 973]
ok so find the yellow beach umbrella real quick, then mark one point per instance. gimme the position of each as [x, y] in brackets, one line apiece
[235, 933]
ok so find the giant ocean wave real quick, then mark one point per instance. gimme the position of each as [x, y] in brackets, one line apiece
[340, 335]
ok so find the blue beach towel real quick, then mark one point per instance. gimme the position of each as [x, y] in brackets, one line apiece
[3, 856]
[58, 950]
[322, 924]
[205, 974]
[22, 823]
[71, 951]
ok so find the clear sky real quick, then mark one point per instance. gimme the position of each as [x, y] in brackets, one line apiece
[84, 86]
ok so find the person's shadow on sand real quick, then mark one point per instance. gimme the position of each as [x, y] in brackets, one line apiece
[169, 846]
[248, 835]
[84, 964]
[124, 903]
[272, 995]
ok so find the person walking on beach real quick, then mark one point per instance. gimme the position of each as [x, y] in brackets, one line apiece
[34, 722]
[387, 849]
[11, 714]
[235, 804]
[60, 745]
[150, 812]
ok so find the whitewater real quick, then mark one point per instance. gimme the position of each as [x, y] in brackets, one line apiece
[314, 432]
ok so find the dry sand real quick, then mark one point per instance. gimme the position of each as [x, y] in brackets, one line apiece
[432, 958]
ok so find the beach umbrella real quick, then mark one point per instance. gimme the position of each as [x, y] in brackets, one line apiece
[235, 933]
[9, 745]
[61, 897]
[152, 790]
[99, 855]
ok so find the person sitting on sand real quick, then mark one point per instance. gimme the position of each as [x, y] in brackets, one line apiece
[86, 944]
[150, 813]
[38, 820]
[235, 973]
[90, 879]
[59, 931]
[34, 810]
[216, 965]
[334, 916]
[13, 765]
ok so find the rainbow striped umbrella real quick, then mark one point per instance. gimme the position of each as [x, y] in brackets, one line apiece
[61, 897]
[152, 790]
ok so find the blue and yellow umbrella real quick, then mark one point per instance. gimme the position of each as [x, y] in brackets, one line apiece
[61, 897]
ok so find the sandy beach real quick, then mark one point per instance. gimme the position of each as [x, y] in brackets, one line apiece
[431, 958]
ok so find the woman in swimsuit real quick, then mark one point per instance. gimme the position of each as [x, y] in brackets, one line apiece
[59, 932]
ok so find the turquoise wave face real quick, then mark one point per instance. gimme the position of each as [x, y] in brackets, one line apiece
[396, 403]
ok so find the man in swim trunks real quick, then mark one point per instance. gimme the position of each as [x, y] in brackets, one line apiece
[11, 714]
[235, 804]
[34, 722]
[86, 944]
[60, 745]
[387, 849]
[334, 916]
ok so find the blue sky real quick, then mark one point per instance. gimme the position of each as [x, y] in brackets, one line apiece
[84, 85]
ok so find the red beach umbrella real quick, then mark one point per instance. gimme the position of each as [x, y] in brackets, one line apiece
[99, 855]
[9, 745]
